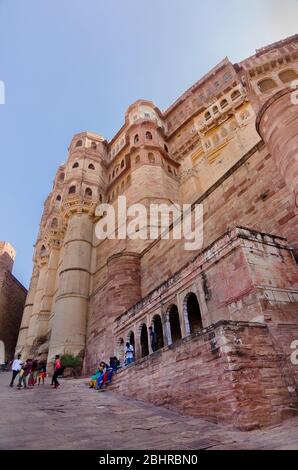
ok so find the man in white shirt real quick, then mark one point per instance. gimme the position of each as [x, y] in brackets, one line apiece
[129, 353]
[16, 367]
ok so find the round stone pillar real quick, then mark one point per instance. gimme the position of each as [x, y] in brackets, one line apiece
[277, 123]
[42, 326]
[23, 333]
[124, 282]
[68, 333]
[123, 291]
[33, 322]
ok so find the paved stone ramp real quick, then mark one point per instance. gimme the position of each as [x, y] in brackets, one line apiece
[75, 417]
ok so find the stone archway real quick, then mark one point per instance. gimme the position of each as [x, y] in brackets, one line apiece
[2, 352]
[158, 329]
[131, 339]
[174, 322]
[144, 341]
[192, 313]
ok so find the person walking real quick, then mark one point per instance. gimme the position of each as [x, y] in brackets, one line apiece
[16, 367]
[24, 372]
[57, 371]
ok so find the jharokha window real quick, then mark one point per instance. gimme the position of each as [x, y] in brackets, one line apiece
[88, 192]
[72, 190]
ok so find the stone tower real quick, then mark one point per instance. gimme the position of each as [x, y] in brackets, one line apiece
[271, 77]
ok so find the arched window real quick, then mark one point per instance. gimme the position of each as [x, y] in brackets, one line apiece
[42, 250]
[131, 339]
[287, 76]
[266, 85]
[54, 223]
[75, 165]
[193, 313]
[113, 174]
[79, 143]
[223, 104]
[169, 169]
[166, 148]
[122, 164]
[137, 159]
[215, 139]
[144, 341]
[88, 192]
[148, 135]
[157, 328]
[58, 198]
[100, 198]
[174, 324]
[91, 166]
[93, 145]
[207, 116]
[151, 157]
[136, 139]
[235, 95]
[72, 190]
[224, 132]
[215, 110]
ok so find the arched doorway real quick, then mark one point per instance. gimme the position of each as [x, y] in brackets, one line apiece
[157, 327]
[144, 341]
[2, 352]
[131, 339]
[175, 323]
[193, 313]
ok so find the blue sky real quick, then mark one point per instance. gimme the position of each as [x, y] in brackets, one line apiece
[75, 65]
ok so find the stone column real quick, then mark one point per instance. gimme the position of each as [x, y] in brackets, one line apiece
[42, 324]
[32, 328]
[277, 123]
[123, 290]
[167, 329]
[23, 333]
[70, 311]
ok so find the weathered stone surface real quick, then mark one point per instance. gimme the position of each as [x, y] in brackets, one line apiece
[74, 417]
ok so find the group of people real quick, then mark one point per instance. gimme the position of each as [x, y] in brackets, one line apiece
[104, 372]
[32, 370]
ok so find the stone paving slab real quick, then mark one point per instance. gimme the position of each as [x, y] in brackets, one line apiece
[75, 417]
